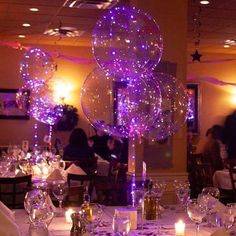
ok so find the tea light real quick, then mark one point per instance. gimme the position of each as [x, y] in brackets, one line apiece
[68, 215]
[179, 228]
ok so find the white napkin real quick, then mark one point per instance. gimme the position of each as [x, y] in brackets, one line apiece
[7, 211]
[220, 232]
[55, 175]
[19, 174]
[73, 169]
[8, 225]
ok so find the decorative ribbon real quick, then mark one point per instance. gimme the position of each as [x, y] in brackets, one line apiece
[211, 80]
[17, 45]
[213, 61]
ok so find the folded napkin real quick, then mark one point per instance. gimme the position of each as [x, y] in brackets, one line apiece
[19, 174]
[8, 224]
[220, 232]
[55, 175]
[73, 169]
[7, 211]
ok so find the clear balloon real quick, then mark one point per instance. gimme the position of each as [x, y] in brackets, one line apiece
[44, 110]
[174, 106]
[37, 65]
[125, 40]
[120, 108]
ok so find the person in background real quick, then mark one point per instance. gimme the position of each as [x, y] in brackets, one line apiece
[213, 148]
[99, 144]
[78, 151]
[229, 135]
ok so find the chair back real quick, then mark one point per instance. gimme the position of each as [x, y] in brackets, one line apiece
[13, 190]
[232, 173]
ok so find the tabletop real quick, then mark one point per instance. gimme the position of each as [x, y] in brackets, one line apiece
[163, 226]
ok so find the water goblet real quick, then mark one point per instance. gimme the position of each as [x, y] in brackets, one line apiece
[182, 192]
[210, 196]
[227, 217]
[40, 217]
[121, 225]
[59, 190]
[196, 212]
[138, 204]
[34, 197]
[92, 217]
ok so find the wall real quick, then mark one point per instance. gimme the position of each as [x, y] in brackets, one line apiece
[216, 101]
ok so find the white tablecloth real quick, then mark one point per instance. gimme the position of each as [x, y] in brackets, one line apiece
[221, 179]
[59, 227]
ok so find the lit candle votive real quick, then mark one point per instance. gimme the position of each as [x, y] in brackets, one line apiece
[179, 228]
[68, 215]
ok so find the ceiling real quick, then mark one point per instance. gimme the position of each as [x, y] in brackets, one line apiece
[218, 22]
[52, 13]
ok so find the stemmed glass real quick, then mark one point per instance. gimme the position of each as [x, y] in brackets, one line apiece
[138, 204]
[59, 190]
[121, 225]
[196, 212]
[92, 217]
[210, 195]
[40, 216]
[182, 192]
[159, 188]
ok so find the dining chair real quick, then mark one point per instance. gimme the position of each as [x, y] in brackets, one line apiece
[13, 190]
[232, 173]
[77, 185]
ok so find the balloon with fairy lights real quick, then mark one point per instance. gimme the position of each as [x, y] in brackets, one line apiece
[174, 107]
[37, 65]
[45, 111]
[120, 108]
[126, 39]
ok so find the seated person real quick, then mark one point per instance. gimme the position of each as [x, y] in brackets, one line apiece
[78, 151]
[99, 143]
[212, 148]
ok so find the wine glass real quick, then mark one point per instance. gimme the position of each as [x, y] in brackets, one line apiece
[227, 217]
[42, 213]
[40, 217]
[121, 225]
[210, 196]
[159, 188]
[138, 204]
[59, 190]
[182, 192]
[196, 212]
[92, 216]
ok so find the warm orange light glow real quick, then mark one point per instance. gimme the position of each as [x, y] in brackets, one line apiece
[61, 91]
[233, 96]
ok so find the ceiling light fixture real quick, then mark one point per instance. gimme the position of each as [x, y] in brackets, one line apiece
[34, 9]
[26, 25]
[205, 2]
[226, 46]
[63, 31]
[21, 36]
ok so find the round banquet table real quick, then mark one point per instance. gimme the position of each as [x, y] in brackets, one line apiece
[165, 225]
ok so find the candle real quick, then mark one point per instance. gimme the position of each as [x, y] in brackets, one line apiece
[68, 215]
[179, 228]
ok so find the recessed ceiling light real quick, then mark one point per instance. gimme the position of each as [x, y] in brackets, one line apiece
[226, 46]
[34, 9]
[26, 24]
[204, 2]
[21, 36]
